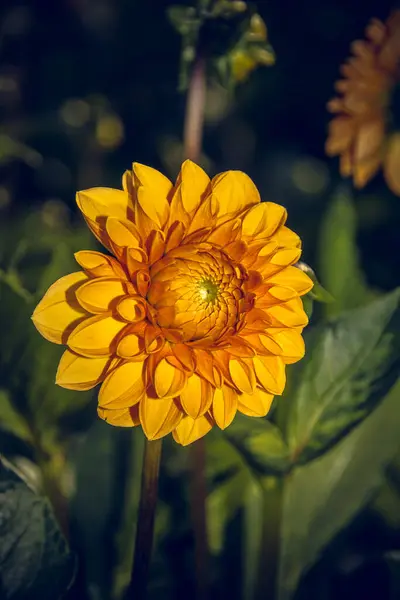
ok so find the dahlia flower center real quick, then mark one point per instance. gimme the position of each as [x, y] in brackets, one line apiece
[208, 290]
[200, 294]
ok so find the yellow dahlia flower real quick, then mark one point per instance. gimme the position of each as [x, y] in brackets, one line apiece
[195, 314]
[360, 133]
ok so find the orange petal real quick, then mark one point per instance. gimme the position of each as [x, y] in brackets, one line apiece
[95, 336]
[185, 356]
[192, 185]
[97, 295]
[290, 314]
[159, 416]
[124, 234]
[270, 372]
[391, 164]
[168, 380]
[80, 373]
[235, 191]
[59, 312]
[123, 387]
[263, 219]
[256, 404]
[97, 204]
[132, 308]
[224, 406]
[196, 397]
[205, 215]
[120, 417]
[152, 189]
[292, 344]
[294, 278]
[242, 376]
[130, 345]
[99, 265]
[189, 430]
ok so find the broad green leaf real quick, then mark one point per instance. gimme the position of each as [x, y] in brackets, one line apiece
[34, 557]
[322, 497]
[242, 458]
[260, 443]
[339, 257]
[350, 364]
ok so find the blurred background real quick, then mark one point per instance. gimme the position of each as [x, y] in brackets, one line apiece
[87, 87]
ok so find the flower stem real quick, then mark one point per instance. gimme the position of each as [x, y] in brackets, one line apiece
[270, 539]
[193, 135]
[194, 118]
[145, 521]
[198, 495]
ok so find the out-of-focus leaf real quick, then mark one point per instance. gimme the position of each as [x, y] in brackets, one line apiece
[91, 506]
[260, 443]
[350, 365]
[242, 457]
[181, 18]
[318, 292]
[322, 497]
[34, 558]
[11, 420]
[338, 254]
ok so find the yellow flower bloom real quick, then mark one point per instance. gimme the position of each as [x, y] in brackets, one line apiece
[360, 132]
[195, 315]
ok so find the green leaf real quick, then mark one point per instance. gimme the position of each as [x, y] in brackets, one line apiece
[322, 497]
[260, 443]
[350, 365]
[34, 558]
[181, 18]
[339, 257]
[248, 451]
[11, 420]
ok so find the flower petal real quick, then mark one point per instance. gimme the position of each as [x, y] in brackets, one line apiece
[121, 417]
[224, 406]
[97, 204]
[270, 372]
[130, 345]
[263, 219]
[97, 295]
[97, 264]
[80, 373]
[256, 404]
[391, 164]
[152, 190]
[168, 380]
[235, 192]
[132, 308]
[191, 185]
[242, 376]
[95, 336]
[294, 278]
[290, 314]
[189, 430]
[196, 397]
[292, 344]
[59, 312]
[159, 416]
[123, 387]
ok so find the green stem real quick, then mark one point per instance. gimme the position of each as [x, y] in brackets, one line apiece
[193, 134]
[198, 495]
[270, 541]
[137, 589]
